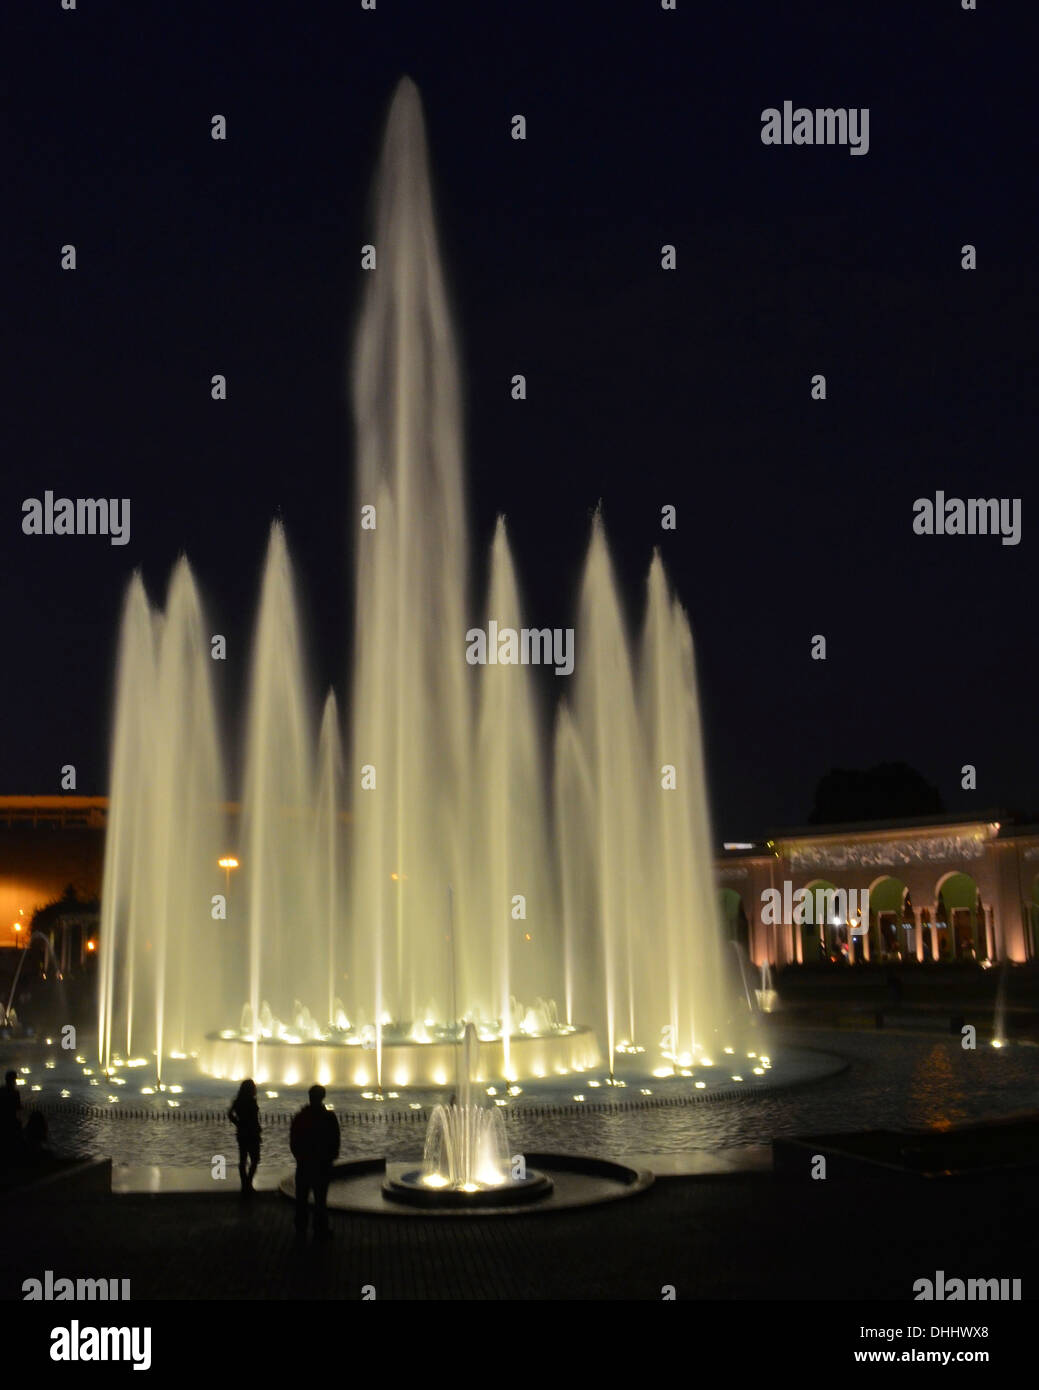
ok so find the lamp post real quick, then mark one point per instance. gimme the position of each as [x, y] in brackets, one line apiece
[227, 863]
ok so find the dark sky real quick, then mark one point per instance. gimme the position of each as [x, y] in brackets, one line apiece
[645, 387]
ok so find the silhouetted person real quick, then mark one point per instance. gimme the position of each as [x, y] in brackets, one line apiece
[10, 1122]
[245, 1116]
[314, 1141]
[35, 1134]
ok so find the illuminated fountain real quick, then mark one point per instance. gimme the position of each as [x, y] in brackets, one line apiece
[444, 859]
[465, 1160]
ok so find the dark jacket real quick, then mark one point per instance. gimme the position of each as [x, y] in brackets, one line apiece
[314, 1137]
[245, 1116]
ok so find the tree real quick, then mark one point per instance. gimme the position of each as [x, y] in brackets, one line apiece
[889, 791]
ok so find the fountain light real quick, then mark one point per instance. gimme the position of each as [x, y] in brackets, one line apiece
[759, 1071]
[700, 1085]
[65, 1095]
[434, 1180]
[737, 1078]
[36, 1087]
[147, 1090]
[271, 1095]
[997, 1042]
[661, 1072]
[706, 1062]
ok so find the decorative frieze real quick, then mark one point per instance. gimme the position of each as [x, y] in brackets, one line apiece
[934, 849]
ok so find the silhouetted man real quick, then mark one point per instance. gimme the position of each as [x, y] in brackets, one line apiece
[314, 1141]
[10, 1123]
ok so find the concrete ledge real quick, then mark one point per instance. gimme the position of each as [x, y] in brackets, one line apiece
[92, 1178]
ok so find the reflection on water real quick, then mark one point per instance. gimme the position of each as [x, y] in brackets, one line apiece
[893, 1082]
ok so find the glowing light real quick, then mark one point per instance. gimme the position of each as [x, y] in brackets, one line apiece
[663, 1071]
[440, 1077]
[706, 1062]
[36, 1087]
[700, 1085]
[492, 1090]
[997, 1042]
[737, 1078]
[433, 1179]
[470, 1187]
[578, 1097]
[646, 1091]
[595, 1083]
[728, 1050]
[414, 1105]
[271, 1095]
[65, 1095]
[228, 862]
[91, 945]
[177, 1090]
[759, 1071]
[147, 1090]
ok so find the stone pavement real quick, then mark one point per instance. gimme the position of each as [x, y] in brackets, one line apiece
[745, 1236]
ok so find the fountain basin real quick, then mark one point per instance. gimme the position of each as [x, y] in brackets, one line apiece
[359, 1186]
[274, 1061]
[405, 1184]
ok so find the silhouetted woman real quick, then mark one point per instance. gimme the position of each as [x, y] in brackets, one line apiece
[245, 1116]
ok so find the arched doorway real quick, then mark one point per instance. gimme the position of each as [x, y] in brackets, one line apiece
[961, 919]
[891, 914]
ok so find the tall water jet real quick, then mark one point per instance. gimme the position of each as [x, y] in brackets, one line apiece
[457, 871]
[515, 906]
[608, 726]
[160, 977]
[329, 850]
[285, 951]
[411, 715]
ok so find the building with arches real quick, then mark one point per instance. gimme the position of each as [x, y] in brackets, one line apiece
[940, 889]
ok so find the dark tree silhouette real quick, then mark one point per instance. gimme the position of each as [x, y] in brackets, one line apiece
[889, 791]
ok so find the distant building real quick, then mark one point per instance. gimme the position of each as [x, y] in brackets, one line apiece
[940, 888]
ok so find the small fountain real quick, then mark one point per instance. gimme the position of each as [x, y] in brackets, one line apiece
[8, 1016]
[999, 1020]
[465, 1160]
[767, 996]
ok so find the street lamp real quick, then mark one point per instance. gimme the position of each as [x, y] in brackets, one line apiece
[228, 863]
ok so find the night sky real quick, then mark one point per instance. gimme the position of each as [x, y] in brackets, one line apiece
[645, 387]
